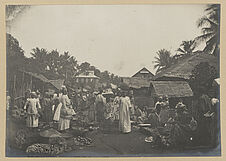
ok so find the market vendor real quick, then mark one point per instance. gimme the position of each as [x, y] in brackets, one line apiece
[65, 112]
[153, 118]
[140, 114]
[204, 119]
[180, 103]
[31, 106]
[164, 113]
[183, 126]
[214, 125]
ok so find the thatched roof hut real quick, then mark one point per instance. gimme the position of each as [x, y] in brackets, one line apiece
[171, 89]
[183, 68]
[174, 90]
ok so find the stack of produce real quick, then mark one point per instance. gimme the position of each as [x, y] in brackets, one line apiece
[45, 149]
[82, 141]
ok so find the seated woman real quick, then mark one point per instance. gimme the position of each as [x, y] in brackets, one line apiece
[182, 126]
[153, 118]
[164, 113]
[140, 114]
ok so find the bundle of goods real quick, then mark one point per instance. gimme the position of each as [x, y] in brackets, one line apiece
[58, 145]
[77, 130]
[82, 141]
[157, 136]
[45, 149]
[50, 133]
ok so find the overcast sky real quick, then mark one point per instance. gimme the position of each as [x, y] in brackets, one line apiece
[119, 38]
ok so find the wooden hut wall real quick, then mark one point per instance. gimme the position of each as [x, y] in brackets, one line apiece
[20, 82]
[142, 97]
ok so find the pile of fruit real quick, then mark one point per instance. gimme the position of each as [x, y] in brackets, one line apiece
[82, 141]
[45, 149]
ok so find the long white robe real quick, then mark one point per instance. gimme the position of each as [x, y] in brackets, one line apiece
[124, 115]
[64, 123]
[56, 116]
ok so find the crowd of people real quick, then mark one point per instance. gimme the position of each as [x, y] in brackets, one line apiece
[59, 108]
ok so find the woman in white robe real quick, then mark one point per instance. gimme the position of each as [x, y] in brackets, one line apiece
[124, 114]
[56, 116]
[65, 112]
[31, 106]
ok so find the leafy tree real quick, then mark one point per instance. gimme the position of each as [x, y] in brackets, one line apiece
[14, 54]
[40, 58]
[210, 24]
[202, 77]
[84, 67]
[163, 60]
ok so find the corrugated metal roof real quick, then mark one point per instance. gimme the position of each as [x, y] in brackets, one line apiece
[172, 88]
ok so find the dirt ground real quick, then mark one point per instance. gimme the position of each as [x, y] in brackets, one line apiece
[115, 144]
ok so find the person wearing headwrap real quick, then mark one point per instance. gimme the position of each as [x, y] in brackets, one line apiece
[31, 106]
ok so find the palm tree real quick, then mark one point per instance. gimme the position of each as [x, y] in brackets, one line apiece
[210, 24]
[163, 60]
[187, 47]
[39, 57]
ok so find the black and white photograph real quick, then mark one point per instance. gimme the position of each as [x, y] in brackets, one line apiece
[116, 80]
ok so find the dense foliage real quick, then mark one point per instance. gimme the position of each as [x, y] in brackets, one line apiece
[202, 77]
[51, 64]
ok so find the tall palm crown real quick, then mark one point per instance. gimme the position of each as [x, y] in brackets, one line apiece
[187, 47]
[210, 24]
[163, 60]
